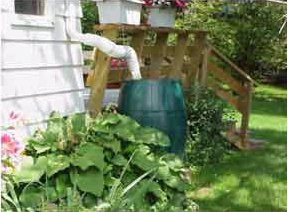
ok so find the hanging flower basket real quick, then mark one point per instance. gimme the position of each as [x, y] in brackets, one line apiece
[119, 11]
[162, 17]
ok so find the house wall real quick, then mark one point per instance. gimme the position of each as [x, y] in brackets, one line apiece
[41, 66]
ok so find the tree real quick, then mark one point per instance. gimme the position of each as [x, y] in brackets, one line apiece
[248, 33]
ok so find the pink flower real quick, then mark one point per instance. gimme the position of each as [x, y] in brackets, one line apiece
[180, 3]
[9, 146]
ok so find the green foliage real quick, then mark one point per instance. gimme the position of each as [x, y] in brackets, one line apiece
[90, 16]
[205, 123]
[98, 163]
[247, 33]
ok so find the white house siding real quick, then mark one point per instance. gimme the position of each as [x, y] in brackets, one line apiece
[41, 66]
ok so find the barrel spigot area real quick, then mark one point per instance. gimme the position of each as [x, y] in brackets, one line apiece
[157, 103]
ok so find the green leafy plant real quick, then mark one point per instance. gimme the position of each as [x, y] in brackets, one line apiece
[205, 111]
[106, 163]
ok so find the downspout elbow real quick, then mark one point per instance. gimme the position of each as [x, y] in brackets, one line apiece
[108, 47]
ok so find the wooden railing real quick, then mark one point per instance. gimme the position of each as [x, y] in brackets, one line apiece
[196, 63]
[238, 90]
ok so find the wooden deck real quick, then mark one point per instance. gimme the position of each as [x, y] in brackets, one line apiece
[193, 63]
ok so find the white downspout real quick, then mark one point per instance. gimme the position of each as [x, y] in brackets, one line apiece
[103, 44]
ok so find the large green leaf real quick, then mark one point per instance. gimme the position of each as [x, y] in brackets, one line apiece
[32, 196]
[55, 128]
[152, 136]
[163, 173]
[176, 182]
[79, 123]
[173, 162]
[139, 195]
[39, 144]
[144, 160]
[76, 128]
[91, 181]
[119, 160]
[30, 171]
[114, 145]
[88, 154]
[110, 119]
[51, 194]
[56, 163]
[62, 183]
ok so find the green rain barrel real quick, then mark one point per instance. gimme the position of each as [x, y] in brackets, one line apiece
[158, 104]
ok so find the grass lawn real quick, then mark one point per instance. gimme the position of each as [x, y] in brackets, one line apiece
[253, 180]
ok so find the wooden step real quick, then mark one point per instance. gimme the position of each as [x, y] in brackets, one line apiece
[233, 135]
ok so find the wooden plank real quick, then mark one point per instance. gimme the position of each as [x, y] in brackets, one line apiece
[29, 54]
[125, 27]
[195, 53]
[242, 73]
[169, 52]
[137, 43]
[158, 55]
[99, 82]
[118, 75]
[225, 95]
[220, 74]
[246, 102]
[179, 54]
[204, 66]
[57, 33]
[92, 74]
[34, 81]
[38, 107]
[135, 28]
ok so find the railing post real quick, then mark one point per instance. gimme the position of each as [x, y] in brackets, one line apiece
[204, 66]
[179, 54]
[195, 55]
[246, 105]
[157, 54]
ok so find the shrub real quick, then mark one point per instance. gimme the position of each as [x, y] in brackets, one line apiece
[106, 163]
[205, 144]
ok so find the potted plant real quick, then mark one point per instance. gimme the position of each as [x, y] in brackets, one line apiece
[119, 11]
[162, 12]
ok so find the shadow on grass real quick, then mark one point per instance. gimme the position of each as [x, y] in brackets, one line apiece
[247, 181]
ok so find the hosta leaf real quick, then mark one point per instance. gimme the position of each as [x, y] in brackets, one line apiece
[55, 128]
[144, 161]
[62, 183]
[173, 162]
[119, 160]
[30, 171]
[39, 145]
[78, 123]
[152, 136]
[90, 181]
[137, 196]
[110, 119]
[114, 145]
[56, 163]
[32, 196]
[87, 155]
[163, 173]
[176, 182]
[51, 194]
